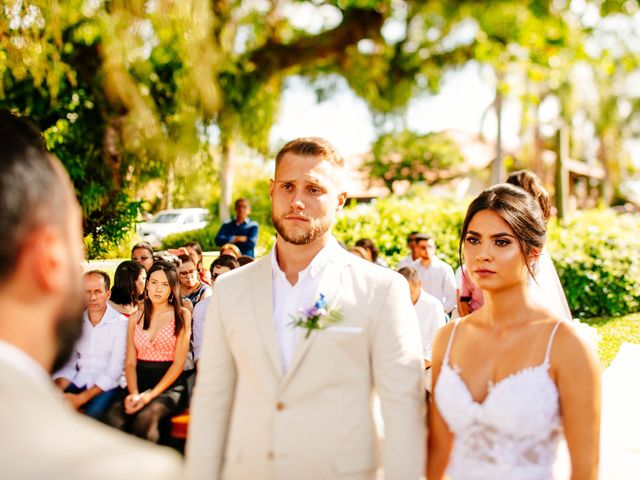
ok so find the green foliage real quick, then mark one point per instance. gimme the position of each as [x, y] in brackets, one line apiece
[595, 252]
[596, 255]
[410, 156]
[388, 222]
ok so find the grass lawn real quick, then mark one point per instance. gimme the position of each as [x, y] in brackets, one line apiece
[614, 331]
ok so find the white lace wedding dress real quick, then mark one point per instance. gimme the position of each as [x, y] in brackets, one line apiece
[512, 434]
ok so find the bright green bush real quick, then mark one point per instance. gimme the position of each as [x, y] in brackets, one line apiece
[596, 255]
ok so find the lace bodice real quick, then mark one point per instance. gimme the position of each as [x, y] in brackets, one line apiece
[512, 434]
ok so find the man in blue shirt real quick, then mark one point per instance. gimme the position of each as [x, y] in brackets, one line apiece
[241, 231]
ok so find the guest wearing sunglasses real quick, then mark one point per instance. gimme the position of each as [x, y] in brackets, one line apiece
[191, 287]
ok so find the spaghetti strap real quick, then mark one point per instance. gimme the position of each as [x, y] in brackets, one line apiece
[453, 332]
[553, 334]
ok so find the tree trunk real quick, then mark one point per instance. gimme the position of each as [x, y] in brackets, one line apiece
[610, 166]
[497, 169]
[226, 179]
[171, 184]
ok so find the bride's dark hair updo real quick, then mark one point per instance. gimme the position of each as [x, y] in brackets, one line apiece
[516, 207]
[531, 184]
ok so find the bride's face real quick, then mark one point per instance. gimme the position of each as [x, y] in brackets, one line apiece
[493, 257]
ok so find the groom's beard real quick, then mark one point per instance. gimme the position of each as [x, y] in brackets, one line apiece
[317, 227]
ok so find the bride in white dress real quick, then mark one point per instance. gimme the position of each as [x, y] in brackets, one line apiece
[511, 378]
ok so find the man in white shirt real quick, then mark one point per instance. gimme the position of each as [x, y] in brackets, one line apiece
[430, 315]
[437, 276]
[96, 368]
[297, 343]
[413, 253]
[40, 319]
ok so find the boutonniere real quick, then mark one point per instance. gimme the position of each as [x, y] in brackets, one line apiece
[317, 317]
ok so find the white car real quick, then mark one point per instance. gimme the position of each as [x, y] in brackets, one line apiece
[167, 222]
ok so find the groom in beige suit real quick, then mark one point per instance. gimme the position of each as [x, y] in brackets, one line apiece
[277, 402]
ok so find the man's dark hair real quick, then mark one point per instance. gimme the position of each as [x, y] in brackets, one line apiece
[412, 234]
[104, 275]
[242, 200]
[30, 188]
[410, 274]
[143, 246]
[423, 236]
[244, 260]
[368, 244]
[228, 261]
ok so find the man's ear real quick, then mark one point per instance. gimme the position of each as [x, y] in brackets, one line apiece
[108, 294]
[342, 199]
[272, 184]
[47, 257]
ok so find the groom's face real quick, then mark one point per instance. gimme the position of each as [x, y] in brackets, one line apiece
[305, 197]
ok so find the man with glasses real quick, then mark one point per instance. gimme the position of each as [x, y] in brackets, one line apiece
[413, 255]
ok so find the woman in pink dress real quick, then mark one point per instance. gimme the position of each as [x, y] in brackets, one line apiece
[157, 347]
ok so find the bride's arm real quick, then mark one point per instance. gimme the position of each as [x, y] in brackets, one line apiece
[440, 439]
[578, 378]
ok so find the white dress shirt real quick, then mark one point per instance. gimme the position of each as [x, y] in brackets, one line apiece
[98, 358]
[405, 262]
[431, 317]
[199, 313]
[289, 300]
[439, 281]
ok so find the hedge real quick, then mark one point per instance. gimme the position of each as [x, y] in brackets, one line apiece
[595, 252]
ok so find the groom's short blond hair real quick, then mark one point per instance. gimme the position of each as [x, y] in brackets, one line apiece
[313, 147]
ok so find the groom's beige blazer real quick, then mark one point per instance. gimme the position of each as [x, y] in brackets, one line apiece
[251, 420]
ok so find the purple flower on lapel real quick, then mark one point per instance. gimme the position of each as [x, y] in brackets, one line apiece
[317, 317]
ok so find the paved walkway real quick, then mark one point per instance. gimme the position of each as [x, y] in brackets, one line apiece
[620, 446]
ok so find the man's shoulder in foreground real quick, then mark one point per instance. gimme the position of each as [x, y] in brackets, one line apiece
[45, 438]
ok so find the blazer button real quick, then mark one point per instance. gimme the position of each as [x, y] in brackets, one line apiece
[280, 406]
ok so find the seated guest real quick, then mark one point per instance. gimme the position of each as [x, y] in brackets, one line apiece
[430, 314]
[142, 253]
[413, 252]
[128, 287]
[372, 251]
[437, 276]
[157, 346]
[220, 266]
[470, 297]
[241, 231]
[92, 375]
[191, 287]
[245, 260]
[230, 249]
[195, 250]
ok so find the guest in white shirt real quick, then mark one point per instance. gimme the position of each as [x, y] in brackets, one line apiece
[95, 370]
[437, 276]
[413, 256]
[430, 315]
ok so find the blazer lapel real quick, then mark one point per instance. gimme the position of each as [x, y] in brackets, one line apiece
[261, 286]
[330, 284]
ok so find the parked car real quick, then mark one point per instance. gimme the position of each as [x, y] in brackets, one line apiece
[167, 222]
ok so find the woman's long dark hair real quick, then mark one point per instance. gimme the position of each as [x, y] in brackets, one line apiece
[124, 291]
[516, 207]
[198, 249]
[174, 297]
